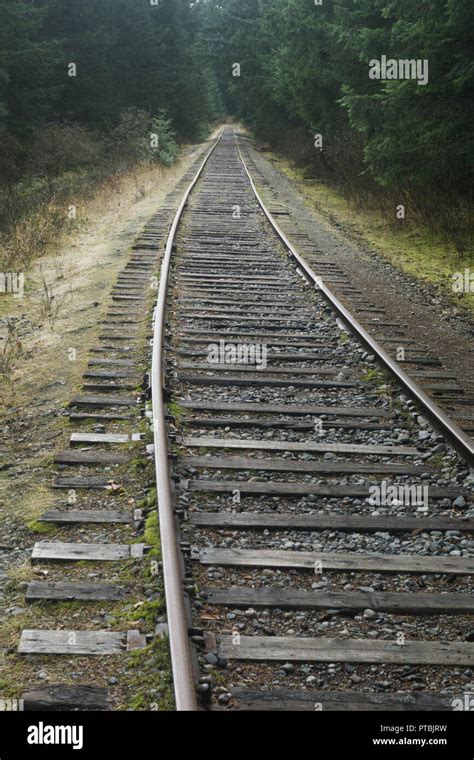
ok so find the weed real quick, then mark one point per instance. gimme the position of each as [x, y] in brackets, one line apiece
[52, 302]
[175, 410]
[11, 348]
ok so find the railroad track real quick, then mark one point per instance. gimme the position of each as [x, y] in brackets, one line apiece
[400, 337]
[285, 587]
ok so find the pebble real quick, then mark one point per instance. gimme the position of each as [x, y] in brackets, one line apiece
[424, 434]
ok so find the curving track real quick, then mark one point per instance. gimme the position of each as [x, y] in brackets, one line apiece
[299, 594]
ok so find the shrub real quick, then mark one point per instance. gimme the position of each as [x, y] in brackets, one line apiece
[167, 149]
[137, 138]
[59, 148]
[129, 141]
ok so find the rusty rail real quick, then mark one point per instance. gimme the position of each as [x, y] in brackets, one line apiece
[184, 690]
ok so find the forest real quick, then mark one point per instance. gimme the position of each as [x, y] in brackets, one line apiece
[85, 83]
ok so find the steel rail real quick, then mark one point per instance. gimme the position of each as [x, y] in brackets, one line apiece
[181, 662]
[459, 440]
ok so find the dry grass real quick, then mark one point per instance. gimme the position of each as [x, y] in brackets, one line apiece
[10, 349]
[52, 299]
[30, 237]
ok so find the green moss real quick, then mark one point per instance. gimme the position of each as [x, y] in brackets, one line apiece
[371, 376]
[175, 410]
[139, 702]
[152, 533]
[409, 246]
[148, 678]
[139, 464]
[41, 527]
[147, 613]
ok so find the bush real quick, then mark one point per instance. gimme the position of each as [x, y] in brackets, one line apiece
[59, 148]
[137, 138]
[12, 155]
[167, 149]
[66, 162]
[129, 141]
